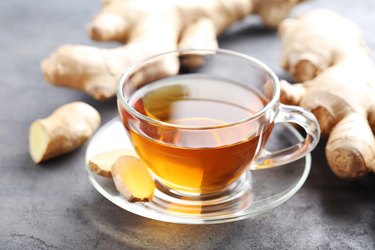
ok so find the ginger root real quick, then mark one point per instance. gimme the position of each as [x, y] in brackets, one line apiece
[326, 52]
[102, 163]
[63, 131]
[149, 27]
[132, 179]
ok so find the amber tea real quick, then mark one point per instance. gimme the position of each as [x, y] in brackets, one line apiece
[200, 153]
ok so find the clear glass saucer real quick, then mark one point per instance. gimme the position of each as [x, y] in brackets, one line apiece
[255, 193]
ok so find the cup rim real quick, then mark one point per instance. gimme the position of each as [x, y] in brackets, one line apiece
[132, 68]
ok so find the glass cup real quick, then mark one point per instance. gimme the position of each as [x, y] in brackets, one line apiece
[199, 119]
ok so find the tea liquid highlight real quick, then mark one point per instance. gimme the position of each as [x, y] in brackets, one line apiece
[197, 160]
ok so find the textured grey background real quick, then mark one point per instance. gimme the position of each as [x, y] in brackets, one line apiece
[53, 205]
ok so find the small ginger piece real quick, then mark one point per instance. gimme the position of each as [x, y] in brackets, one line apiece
[327, 54]
[102, 163]
[149, 27]
[132, 179]
[64, 130]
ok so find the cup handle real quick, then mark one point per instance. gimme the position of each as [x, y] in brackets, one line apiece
[303, 118]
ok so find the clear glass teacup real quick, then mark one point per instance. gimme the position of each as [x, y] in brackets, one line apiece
[199, 119]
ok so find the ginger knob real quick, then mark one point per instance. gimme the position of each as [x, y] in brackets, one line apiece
[327, 52]
[132, 179]
[64, 130]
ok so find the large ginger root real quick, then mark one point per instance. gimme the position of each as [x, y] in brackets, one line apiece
[149, 27]
[326, 52]
[63, 131]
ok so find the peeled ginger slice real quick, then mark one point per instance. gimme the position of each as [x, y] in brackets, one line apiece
[102, 163]
[132, 179]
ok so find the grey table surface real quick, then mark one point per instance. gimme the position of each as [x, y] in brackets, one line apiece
[53, 205]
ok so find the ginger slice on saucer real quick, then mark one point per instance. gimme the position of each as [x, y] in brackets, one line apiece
[132, 179]
[102, 163]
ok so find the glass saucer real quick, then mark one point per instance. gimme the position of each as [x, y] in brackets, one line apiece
[255, 193]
